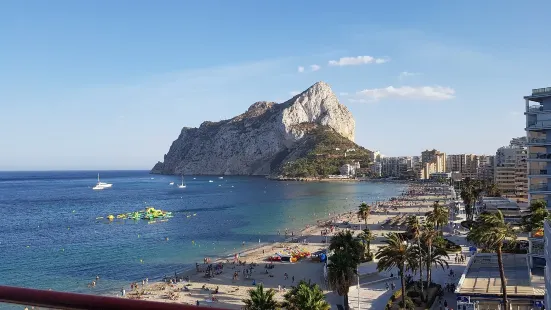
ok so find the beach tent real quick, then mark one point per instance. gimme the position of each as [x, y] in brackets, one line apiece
[323, 257]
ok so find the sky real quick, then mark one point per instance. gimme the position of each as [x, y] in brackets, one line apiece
[109, 84]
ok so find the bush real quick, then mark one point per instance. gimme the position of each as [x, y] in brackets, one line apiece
[414, 294]
[451, 246]
[467, 224]
[396, 295]
[409, 304]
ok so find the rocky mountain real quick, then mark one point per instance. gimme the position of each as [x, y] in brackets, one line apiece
[261, 140]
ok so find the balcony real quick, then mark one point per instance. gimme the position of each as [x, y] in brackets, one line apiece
[539, 172]
[535, 108]
[62, 300]
[539, 187]
[539, 157]
[538, 141]
[541, 125]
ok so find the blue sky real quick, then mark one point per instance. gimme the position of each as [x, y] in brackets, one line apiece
[109, 84]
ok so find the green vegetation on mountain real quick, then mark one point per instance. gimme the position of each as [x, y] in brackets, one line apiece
[322, 152]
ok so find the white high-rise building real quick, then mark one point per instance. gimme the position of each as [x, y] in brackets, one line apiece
[538, 135]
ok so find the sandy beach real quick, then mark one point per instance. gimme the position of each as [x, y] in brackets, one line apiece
[231, 280]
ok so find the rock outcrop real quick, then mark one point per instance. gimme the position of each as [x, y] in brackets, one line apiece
[260, 140]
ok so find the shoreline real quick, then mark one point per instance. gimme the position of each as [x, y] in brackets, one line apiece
[309, 238]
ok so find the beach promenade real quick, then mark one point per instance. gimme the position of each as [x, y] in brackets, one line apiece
[227, 288]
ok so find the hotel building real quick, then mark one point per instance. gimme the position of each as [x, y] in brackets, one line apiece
[538, 134]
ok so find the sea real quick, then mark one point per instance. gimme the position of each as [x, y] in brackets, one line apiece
[54, 235]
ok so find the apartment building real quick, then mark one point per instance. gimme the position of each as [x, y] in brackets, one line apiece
[399, 167]
[510, 172]
[432, 162]
[471, 166]
[538, 134]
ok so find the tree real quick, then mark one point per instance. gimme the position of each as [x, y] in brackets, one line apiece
[343, 263]
[341, 273]
[538, 214]
[344, 242]
[438, 216]
[259, 299]
[468, 198]
[428, 236]
[305, 296]
[490, 232]
[363, 212]
[435, 257]
[492, 190]
[367, 236]
[397, 253]
[415, 229]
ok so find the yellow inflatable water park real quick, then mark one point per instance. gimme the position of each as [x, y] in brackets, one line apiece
[150, 214]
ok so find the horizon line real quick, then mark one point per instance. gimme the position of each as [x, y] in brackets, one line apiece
[73, 170]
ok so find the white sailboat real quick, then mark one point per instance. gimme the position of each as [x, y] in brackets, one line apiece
[171, 183]
[183, 185]
[101, 185]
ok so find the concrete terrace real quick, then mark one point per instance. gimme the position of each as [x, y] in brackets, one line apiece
[481, 277]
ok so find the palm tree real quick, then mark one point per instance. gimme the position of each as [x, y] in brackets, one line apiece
[436, 259]
[490, 232]
[259, 299]
[468, 197]
[305, 296]
[346, 243]
[363, 212]
[438, 216]
[492, 190]
[367, 236]
[341, 273]
[343, 263]
[397, 253]
[415, 229]
[428, 236]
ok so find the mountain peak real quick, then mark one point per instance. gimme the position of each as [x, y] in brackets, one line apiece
[318, 104]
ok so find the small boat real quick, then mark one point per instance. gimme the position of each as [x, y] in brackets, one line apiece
[171, 183]
[101, 185]
[210, 181]
[221, 178]
[183, 185]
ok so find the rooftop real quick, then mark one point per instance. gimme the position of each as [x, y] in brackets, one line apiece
[539, 93]
[481, 277]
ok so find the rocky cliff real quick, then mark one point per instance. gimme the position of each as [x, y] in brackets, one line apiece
[261, 140]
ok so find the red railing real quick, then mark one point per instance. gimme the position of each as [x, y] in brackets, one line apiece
[62, 300]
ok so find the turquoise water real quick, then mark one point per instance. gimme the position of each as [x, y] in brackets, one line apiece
[50, 238]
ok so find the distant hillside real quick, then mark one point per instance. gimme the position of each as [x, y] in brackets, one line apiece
[321, 153]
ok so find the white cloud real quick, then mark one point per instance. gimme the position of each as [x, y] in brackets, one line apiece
[300, 69]
[408, 92]
[294, 93]
[406, 74]
[343, 94]
[357, 100]
[314, 67]
[360, 60]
